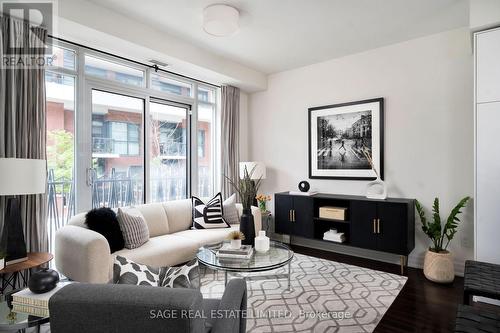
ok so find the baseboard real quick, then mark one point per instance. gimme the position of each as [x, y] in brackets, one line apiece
[414, 260]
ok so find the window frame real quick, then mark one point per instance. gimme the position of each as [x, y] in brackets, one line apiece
[85, 82]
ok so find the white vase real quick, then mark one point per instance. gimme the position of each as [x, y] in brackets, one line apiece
[235, 244]
[2, 263]
[376, 189]
[262, 242]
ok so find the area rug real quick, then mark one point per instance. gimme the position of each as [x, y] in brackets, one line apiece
[325, 296]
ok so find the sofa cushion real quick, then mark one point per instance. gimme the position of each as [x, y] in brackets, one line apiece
[134, 228]
[207, 236]
[208, 215]
[156, 218]
[104, 221]
[230, 211]
[185, 276]
[166, 250]
[178, 214]
[126, 271]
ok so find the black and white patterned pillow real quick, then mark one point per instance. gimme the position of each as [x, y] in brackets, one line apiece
[186, 276]
[209, 215]
[126, 271]
[134, 228]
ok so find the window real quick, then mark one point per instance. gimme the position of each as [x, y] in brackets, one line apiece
[201, 143]
[117, 153]
[162, 83]
[60, 147]
[63, 58]
[206, 142]
[206, 95]
[109, 70]
[168, 152]
[124, 137]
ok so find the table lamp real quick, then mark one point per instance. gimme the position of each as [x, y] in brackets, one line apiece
[259, 170]
[18, 176]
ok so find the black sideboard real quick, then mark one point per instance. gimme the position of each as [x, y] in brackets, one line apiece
[381, 225]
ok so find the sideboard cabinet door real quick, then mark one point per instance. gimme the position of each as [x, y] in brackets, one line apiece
[391, 227]
[363, 224]
[303, 217]
[283, 208]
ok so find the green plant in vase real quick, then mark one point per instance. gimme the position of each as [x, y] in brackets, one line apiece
[438, 262]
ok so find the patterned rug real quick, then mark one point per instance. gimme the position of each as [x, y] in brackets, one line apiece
[325, 296]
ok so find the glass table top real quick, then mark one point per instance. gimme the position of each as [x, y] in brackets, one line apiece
[278, 255]
[10, 320]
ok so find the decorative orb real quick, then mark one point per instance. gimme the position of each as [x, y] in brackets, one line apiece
[304, 186]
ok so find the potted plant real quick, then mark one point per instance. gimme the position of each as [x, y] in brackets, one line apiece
[236, 237]
[247, 190]
[438, 262]
[262, 201]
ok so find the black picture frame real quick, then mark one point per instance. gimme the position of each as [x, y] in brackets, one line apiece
[379, 140]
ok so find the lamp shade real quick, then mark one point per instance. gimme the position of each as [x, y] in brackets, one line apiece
[19, 176]
[259, 170]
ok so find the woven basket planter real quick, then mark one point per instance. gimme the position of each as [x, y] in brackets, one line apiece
[438, 267]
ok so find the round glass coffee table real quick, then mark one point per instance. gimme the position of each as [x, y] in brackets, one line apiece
[279, 255]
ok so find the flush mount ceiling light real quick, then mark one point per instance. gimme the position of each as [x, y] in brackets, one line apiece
[220, 20]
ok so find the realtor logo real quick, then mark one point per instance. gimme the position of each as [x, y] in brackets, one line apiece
[38, 14]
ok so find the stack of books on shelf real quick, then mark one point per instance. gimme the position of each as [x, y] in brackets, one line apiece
[25, 301]
[333, 236]
[226, 252]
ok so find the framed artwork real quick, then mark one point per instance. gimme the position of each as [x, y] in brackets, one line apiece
[345, 140]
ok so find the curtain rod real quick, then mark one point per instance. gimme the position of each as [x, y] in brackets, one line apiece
[155, 67]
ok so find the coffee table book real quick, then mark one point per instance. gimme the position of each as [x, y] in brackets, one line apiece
[244, 252]
[25, 301]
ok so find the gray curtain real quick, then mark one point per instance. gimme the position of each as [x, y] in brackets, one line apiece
[22, 120]
[230, 131]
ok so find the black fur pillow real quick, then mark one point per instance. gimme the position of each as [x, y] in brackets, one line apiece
[105, 222]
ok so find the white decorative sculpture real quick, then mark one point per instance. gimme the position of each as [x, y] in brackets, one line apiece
[375, 189]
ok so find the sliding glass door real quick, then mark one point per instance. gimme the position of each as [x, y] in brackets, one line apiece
[117, 140]
[168, 154]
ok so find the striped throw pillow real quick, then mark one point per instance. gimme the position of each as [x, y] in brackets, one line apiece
[209, 215]
[134, 229]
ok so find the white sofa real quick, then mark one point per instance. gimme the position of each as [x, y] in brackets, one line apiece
[84, 255]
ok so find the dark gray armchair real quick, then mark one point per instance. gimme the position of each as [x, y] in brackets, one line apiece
[110, 308]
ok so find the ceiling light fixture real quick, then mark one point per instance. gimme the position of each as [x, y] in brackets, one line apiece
[220, 20]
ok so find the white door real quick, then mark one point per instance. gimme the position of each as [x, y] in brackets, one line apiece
[488, 182]
[488, 66]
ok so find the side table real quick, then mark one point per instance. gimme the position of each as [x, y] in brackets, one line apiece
[11, 274]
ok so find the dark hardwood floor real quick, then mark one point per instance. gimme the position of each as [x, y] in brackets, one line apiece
[422, 306]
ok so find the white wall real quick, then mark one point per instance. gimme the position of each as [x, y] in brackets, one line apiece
[427, 84]
[484, 14]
